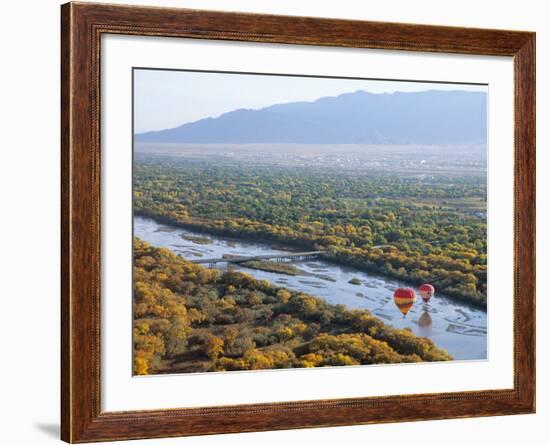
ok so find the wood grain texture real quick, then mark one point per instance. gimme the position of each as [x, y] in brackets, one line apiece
[82, 26]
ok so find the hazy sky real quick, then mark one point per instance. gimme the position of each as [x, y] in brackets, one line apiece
[167, 99]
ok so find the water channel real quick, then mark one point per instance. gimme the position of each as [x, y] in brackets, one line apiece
[456, 326]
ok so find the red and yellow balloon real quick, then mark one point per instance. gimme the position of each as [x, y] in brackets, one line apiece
[404, 298]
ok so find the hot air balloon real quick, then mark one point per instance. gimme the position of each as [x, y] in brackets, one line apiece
[426, 292]
[404, 298]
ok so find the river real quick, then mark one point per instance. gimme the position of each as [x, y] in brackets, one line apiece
[458, 327]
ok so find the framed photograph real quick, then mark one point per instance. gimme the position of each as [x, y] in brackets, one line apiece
[274, 222]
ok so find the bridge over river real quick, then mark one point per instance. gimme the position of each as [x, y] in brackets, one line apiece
[235, 259]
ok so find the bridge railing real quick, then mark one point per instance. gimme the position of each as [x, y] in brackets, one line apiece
[244, 259]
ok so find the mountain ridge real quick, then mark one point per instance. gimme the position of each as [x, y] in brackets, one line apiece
[360, 117]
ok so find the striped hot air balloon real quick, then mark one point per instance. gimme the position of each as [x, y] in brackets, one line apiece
[404, 298]
[426, 292]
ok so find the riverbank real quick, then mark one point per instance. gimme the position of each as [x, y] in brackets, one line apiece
[191, 319]
[330, 255]
[458, 327]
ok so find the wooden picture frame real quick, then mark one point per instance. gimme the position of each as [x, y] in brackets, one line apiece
[82, 26]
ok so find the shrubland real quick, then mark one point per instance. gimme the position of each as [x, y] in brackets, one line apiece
[416, 228]
[191, 319]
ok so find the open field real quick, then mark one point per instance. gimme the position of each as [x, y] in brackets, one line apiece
[402, 159]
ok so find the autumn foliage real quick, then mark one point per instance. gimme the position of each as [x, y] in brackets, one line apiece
[191, 319]
[416, 231]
